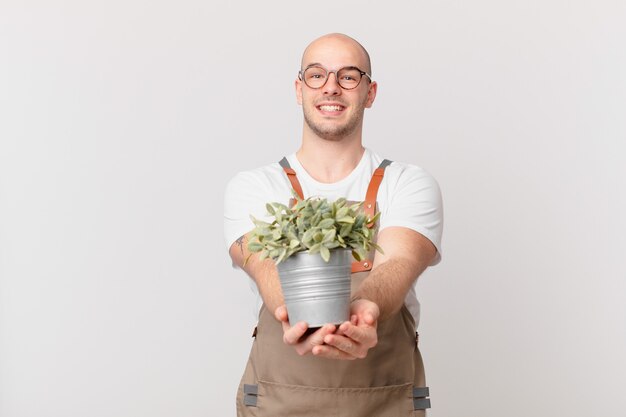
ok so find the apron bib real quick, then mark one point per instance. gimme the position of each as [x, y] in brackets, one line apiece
[388, 382]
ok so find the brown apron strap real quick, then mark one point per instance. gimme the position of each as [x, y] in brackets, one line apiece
[372, 189]
[291, 175]
[360, 266]
[370, 209]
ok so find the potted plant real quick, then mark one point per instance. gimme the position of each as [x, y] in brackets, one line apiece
[312, 244]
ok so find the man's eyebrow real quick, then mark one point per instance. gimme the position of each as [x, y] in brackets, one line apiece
[317, 64]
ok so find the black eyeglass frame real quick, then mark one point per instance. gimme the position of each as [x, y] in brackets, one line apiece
[301, 76]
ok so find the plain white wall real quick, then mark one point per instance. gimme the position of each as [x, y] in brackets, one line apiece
[121, 122]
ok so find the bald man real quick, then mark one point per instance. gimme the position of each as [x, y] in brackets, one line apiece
[371, 365]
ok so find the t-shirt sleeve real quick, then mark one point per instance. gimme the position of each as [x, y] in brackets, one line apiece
[245, 195]
[416, 203]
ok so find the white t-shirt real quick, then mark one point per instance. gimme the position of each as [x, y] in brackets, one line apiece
[408, 196]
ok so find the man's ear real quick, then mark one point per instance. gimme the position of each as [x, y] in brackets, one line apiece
[298, 85]
[371, 94]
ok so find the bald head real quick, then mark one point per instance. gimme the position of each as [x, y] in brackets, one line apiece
[337, 44]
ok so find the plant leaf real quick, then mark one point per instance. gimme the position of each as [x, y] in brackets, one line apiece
[281, 256]
[329, 236]
[315, 248]
[326, 223]
[325, 253]
[345, 230]
[255, 246]
[345, 219]
[378, 248]
[332, 245]
[342, 212]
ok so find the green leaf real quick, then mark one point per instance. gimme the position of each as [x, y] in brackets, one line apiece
[281, 256]
[362, 253]
[315, 248]
[258, 222]
[300, 225]
[254, 246]
[332, 245]
[342, 212]
[294, 244]
[270, 209]
[345, 219]
[329, 236]
[374, 219]
[307, 238]
[326, 223]
[316, 219]
[378, 248]
[325, 253]
[359, 221]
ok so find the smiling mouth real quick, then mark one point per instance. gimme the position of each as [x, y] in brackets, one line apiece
[332, 108]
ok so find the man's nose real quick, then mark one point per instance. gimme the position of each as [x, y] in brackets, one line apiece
[332, 86]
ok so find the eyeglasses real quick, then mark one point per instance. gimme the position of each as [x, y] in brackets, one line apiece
[316, 77]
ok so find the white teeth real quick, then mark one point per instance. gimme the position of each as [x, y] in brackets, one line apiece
[330, 108]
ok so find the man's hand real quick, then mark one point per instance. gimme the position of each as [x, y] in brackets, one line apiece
[293, 335]
[352, 339]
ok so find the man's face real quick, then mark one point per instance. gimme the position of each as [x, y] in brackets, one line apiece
[331, 112]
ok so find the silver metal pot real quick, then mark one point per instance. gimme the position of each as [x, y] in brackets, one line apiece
[316, 291]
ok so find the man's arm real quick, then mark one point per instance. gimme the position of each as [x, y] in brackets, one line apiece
[382, 293]
[265, 274]
[407, 254]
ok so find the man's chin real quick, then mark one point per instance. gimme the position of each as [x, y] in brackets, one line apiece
[331, 134]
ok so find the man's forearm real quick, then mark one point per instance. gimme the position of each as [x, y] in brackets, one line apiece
[387, 285]
[263, 273]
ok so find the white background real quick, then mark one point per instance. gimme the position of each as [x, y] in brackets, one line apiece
[122, 121]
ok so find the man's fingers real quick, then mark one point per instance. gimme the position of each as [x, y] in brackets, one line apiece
[291, 334]
[342, 343]
[308, 341]
[317, 338]
[363, 335]
[331, 352]
[371, 315]
[281, 314]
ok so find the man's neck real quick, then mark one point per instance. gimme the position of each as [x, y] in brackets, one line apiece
[329, 161]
